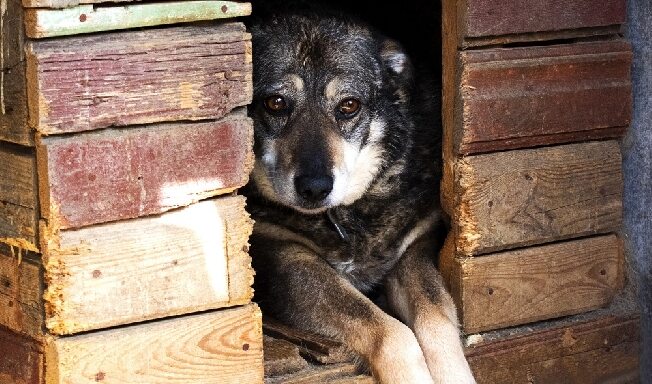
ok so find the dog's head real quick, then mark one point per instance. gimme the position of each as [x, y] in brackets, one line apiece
[331, 102]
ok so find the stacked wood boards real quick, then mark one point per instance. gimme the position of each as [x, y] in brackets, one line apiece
[121, 237]
[532, 110]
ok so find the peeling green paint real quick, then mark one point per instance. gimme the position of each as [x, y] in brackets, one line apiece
[87, 19]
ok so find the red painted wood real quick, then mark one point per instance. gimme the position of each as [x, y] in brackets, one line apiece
[20, 359]
[498, 17]
[96, 81]
[521, 97]
[112, 175]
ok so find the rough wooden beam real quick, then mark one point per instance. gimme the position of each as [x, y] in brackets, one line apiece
[282, 357]
[18, 197]
[96, 81]
[537, 283]
[490, 22]
[223, 345]
[58, 4]
[525, 197]
[601, 350]
[13, 92]
[118, 174]
[22, 359]
[531, 96]
[184, 261]
[43, 22]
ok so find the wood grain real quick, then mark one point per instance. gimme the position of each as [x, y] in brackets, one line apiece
[537, 283]
[602, 350]
[43, 22]
[13, 92]
[495, 17]
[118, 174]
[315, 347]
[21, 360]
[68, 3]
[525, 197]
[485, 23]
[530, 96]
[220, 346]
[21, 306]
[138, 77]
[148, 268]
[281, 357]
[18, 200]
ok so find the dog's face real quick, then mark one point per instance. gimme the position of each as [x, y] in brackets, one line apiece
[327, 94]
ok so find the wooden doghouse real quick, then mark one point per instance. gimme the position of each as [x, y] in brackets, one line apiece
[120, 152]
[123, 138]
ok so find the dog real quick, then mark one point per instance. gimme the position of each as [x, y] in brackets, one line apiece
[344, 194]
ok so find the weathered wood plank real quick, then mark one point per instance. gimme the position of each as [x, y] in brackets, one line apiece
[601, 350]
[221, 345]
[482, 22]
[21, 360]
[148, 268]
[495, 17]
[68, 3]
[525, 197]
[194, 349]
[112, 175]
[138, 77]
[530, 96]
[40, 22]
[316, 347]
[18, 200]
[537, 283]
[281, 357]
[21, 306]
[13, 92]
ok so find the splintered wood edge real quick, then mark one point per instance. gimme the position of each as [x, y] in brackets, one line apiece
[41, 22]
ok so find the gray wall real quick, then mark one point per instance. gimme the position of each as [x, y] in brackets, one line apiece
[637, 157]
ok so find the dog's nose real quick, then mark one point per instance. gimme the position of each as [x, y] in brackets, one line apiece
[313, 188]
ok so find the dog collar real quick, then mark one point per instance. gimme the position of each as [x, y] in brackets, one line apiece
[338, 227]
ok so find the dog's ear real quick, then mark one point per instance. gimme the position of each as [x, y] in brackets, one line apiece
[396, 60]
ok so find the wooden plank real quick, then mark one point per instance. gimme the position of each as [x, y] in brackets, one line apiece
[313, 346]
[530, 96]
[21, 361]
[495, 17]
[148, 268]
[21, 306]
[40, 22]
[537, 283]
[113, 175]
[491, 22]
[328, 374]
[525, 197]
[220, 346]
[281, 357]
[13, 93]
[18, 201]
[68, 3]
[602, 350]
[138, 77]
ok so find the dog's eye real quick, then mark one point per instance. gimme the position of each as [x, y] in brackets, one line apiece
[275, 104]
[348, 107]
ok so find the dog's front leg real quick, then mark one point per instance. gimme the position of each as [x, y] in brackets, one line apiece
[298, 287]
[416, 293]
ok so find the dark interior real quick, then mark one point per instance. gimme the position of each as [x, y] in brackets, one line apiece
[416, 24]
